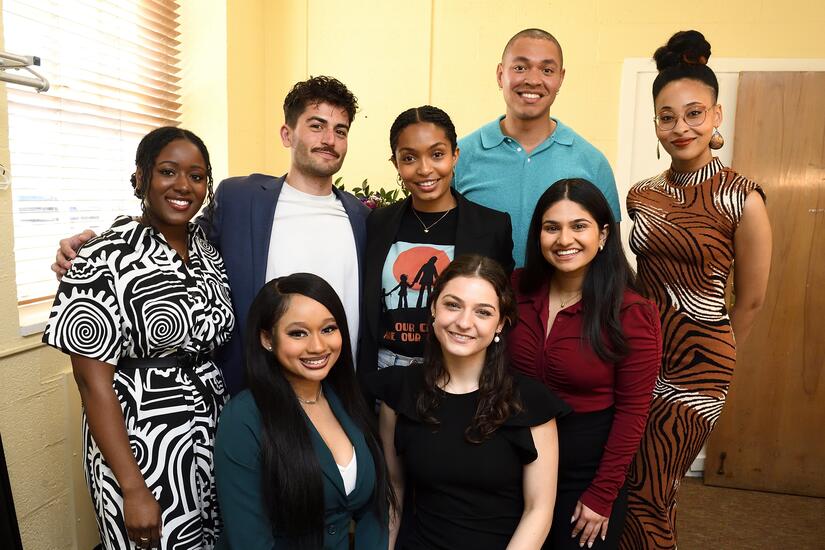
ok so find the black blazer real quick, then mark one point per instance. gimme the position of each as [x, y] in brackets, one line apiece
[481, 230]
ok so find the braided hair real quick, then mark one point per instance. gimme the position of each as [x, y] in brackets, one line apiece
[147, 153]
[425, 113]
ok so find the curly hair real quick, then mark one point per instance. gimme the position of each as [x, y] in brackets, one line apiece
[147, 153]
[498, 397]
[318, 89]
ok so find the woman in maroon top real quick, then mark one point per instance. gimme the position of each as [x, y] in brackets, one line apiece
[585, 332]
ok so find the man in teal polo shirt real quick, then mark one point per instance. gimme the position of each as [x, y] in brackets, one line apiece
[508, 163]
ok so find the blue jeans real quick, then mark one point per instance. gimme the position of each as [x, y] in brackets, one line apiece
[386, 358]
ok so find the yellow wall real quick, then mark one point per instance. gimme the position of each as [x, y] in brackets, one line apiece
[204, 90]
[396, 55]
[240, 57]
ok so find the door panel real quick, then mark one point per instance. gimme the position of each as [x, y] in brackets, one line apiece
[770, 434]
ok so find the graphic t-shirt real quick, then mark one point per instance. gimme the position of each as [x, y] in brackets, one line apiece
[413, 264]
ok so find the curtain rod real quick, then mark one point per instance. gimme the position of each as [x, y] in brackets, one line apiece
[17, 62]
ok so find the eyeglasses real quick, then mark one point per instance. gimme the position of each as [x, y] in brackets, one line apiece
[694, 116]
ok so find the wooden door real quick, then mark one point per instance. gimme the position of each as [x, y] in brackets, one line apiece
[771, 435]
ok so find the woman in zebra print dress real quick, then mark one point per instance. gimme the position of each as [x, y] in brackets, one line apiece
[139, 311]
[690, 224]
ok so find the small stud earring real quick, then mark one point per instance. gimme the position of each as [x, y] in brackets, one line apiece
[716, 140]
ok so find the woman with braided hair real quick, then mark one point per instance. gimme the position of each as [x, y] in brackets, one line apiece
[139, 312]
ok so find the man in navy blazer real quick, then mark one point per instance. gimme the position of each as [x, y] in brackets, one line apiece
[267, 227]
[262, 236]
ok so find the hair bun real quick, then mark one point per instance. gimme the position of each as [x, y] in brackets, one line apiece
[684, 47]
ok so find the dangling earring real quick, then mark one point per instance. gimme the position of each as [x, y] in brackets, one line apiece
[658, 154]
[716, 140]
[601, 246]
[399, 180]
[497, 339]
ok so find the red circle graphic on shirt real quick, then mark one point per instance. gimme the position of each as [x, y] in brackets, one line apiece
[410, 263]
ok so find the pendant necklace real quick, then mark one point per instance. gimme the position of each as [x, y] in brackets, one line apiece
[565, 303]
[428, 227]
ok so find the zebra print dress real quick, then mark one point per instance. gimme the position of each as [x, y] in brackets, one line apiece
[683, 230]
[129, 294]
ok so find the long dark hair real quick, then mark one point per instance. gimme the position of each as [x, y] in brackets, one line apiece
[608, 275]
[497, 395]
[147, 153]
[291, 479]
[685, 55]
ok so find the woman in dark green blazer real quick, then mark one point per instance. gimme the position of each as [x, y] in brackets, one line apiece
[297, 456]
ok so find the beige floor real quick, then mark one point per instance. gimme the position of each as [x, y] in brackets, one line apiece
[729, 519]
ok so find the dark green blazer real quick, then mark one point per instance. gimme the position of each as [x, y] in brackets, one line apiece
[238, 476]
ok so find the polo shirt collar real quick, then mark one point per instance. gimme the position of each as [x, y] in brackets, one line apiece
[492, 136]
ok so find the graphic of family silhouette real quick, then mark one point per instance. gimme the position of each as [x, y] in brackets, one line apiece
[425, 278]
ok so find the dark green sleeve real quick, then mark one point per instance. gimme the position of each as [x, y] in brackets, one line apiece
[238, 477]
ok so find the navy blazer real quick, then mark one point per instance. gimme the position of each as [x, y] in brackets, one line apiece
[238, 477]
[241, 229]
[480, 230]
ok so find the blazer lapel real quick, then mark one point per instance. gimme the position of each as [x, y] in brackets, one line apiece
[264, 200]
[468, 223]
[379, 246]
[325, 458]
[355, 436]
[357, 215]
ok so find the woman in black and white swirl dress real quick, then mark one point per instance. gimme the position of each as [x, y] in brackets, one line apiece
[139, 312]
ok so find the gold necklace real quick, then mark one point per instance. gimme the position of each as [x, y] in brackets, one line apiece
[310, 401]
[424, 225]
[564, 303]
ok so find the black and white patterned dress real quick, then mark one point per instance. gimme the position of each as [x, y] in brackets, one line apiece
[129, 294]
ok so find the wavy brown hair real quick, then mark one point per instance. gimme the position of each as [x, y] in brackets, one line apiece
[498, 397]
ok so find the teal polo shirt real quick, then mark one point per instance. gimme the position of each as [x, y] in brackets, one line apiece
[494, 170]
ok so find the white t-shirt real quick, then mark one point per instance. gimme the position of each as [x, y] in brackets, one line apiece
[349, 473]
[312, 234]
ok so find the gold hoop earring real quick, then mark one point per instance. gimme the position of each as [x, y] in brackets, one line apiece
[716, 140]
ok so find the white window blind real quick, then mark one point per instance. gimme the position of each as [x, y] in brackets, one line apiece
[113, 70]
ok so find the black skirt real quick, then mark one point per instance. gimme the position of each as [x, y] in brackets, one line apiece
[582, 438]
